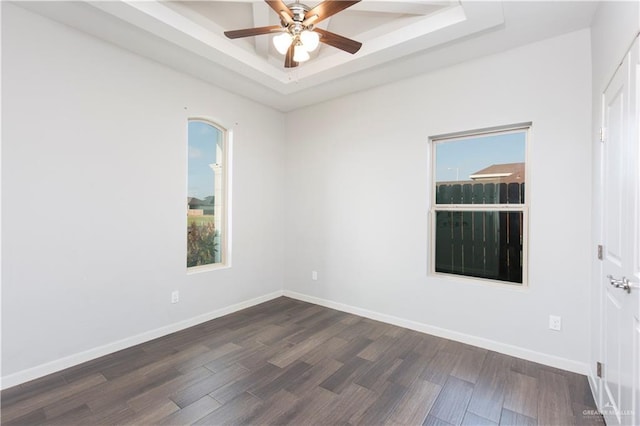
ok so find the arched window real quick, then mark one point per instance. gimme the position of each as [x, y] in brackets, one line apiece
[206, 194]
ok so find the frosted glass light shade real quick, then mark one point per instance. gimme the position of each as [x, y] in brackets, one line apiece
[282, 42]
[310, 40]
[300, 54]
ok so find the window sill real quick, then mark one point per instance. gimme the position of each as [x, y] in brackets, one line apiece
[206, 268]
[461, 279]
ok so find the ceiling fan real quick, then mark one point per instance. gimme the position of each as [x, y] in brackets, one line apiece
[297, 35]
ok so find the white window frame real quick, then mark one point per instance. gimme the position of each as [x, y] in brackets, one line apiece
[523, 208]
[225, 225]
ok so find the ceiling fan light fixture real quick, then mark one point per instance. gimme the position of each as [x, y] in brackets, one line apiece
[310, 40]
[282, 42]
[297, 34]
[300, 54]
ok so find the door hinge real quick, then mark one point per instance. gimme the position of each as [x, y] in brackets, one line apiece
[599, 369]
[600, 249]
[603, 134]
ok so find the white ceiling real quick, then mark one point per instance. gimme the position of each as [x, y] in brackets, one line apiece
[400, 39]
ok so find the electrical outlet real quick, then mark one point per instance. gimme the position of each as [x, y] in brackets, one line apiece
[555, 322]
[314, 275]
[175, 296]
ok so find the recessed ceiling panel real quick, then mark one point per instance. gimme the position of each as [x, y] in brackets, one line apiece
[395, 36]
[227, 14]
[387, 30]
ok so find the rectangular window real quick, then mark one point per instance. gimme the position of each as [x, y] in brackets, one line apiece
[479, 207]
[206, 194]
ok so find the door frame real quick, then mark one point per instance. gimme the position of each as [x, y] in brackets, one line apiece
[598, 383]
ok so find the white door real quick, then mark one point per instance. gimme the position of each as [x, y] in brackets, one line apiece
[621, 233]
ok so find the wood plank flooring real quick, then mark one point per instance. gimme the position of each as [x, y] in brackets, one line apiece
[290, 362]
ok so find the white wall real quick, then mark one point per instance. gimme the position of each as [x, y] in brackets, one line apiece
[94, 192]
[357, 185]
[88, 127]
[614, 26]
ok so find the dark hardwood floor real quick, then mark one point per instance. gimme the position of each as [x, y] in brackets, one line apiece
[290, 362]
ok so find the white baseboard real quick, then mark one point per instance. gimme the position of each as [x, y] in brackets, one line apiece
[516, 351]
[594, 385]
[75, 359]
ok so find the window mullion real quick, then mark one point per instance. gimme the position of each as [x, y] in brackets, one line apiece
[479, 207]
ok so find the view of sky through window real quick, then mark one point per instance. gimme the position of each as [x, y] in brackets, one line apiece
[457, 160]
[203, 139]
[205, 194]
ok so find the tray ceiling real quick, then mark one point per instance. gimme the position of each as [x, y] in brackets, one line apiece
[400, 39]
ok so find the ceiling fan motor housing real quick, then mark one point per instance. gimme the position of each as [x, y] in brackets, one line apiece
[299, 11]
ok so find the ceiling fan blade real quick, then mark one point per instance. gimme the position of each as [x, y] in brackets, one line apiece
[279, 7]
[248, 32]
[329, 8]
[288, 59]
[336, 40]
